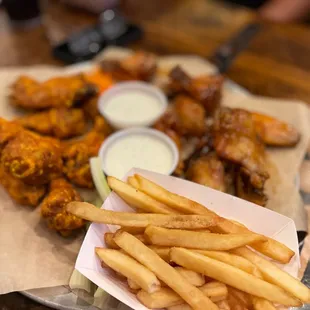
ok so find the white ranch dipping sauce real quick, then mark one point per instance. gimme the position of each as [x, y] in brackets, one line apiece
[132, 107]
[138, 149]
[132, 104]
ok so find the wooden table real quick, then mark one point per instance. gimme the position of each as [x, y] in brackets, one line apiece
[276, 63]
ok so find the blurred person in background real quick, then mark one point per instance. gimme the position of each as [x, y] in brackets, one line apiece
[273, 10]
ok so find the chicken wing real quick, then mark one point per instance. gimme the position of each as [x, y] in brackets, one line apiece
[274, 132]
[24, 194]
[29, 157]
[246, 191]
[90, 108]
[208, 170]
[139, 66]
[235, 140]
[58, 92]
[60, 123]
[190, 117]
[76, 154]
[205, 89]
[53, 207]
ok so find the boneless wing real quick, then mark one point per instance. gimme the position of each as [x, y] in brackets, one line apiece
[53, 93]
[60, 123]
[53, 207]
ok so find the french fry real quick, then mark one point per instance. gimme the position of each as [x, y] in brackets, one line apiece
[198, 240]
[108, 239]
[262, 304]
[133, 230]
[223, 305]
[130, 268]
[243, 298]
[271, 248]
[133, 285]
[89, 212]
[231, 276]
[135, 248]
[163, 252]
[137, 199]
[133, 182]
[166, 297]
[275, 275]
[234, 303]
[180, 307]
[231, 259]
[194, 278]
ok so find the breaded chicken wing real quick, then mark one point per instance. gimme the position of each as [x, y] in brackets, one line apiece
[274, 132]
[205, 89]
[208, 170]
[60, 123]
[138, 66]
[235, 140]
[31, 158]
[53, 207]
[76, 154]
[24, 194]
[58, 92]
[90, 108]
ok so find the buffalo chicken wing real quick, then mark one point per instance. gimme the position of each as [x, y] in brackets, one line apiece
[139, 66]
[76, 154]
[60, 123]
[57, 92]
[31, 158]
[53, 207]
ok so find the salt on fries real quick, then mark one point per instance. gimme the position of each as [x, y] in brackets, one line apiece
[89, 212]
[216, 268]
[270, 248]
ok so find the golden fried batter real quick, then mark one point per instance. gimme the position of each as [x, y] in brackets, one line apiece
[235, 140]
[28, 195]
[139, 66]
[208, 170]
[274, 132]
[205, 89]
[29, 157]
[60, 123]
[76, 155]
[53, 207]
[54, 93]
[190, 117]
[90, 108]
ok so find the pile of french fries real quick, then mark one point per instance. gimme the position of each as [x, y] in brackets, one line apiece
[176, 254]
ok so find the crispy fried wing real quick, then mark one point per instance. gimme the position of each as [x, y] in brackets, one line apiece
[28, 195]
[139, 66]
[205, 89]
[208, 170]
[274, 132]
[190, 117]
[60, 123]
[235, 140]
[246, 191]
[90, 108]
[76, 154]
[30, 158]
[54, 93]
[53, 207]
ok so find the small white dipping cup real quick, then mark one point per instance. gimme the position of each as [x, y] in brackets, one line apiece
[116, 137]
[146, 90]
